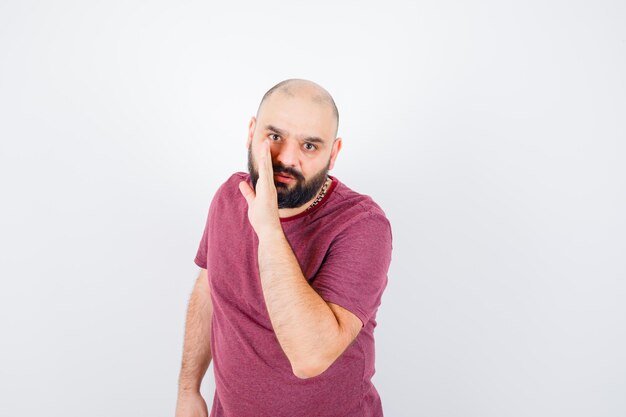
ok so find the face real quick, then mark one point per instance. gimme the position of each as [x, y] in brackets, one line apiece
[303, 147]
[301, 189]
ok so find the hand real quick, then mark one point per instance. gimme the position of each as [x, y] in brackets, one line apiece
[191, 404]
[262, 204]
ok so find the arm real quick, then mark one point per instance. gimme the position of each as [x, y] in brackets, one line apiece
[196, 350]
[311, 332]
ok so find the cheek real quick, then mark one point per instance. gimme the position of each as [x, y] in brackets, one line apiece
[254, 155]
[311, 169]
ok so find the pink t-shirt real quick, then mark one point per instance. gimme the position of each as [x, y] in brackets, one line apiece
[343, 245]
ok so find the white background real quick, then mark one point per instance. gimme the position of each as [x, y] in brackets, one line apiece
[491, 132]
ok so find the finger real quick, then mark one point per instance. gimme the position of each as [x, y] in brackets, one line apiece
[267, 161]
[247, 192]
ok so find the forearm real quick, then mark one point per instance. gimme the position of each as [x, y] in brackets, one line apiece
[197, 348]
[304, 324]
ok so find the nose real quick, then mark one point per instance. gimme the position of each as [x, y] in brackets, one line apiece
[286, 153]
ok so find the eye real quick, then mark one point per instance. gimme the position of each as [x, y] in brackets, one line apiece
[309, 146]
[274, 136]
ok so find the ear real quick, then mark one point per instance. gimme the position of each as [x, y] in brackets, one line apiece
[334, 152]
[251, 127]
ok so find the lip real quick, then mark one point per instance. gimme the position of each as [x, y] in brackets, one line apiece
[283, 178]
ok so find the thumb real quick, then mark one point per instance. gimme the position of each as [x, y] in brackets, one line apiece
[247, 191]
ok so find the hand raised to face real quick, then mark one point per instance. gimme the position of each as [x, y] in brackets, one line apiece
[262, 203]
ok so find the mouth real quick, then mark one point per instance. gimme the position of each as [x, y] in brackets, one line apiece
[284, 178]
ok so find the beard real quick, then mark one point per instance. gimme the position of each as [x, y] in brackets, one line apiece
[300, 193]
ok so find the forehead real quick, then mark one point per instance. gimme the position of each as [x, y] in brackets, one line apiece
[299, 115]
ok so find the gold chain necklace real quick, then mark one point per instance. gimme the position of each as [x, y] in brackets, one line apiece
[321, 194]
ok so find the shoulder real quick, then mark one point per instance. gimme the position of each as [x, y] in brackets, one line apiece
[358, 212]
[347, 197]
[234, 180]
[230, 187]
[228, 193]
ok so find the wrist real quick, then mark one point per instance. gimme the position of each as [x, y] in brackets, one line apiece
[270, 231]
[188, 387]
[185, 391]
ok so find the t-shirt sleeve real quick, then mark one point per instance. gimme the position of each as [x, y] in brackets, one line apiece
[354, 272]
[211, 223]
[201, 254]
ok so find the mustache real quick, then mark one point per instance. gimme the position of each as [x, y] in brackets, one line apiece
[288, 171]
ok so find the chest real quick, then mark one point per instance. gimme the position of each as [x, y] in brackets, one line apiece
[232, 261]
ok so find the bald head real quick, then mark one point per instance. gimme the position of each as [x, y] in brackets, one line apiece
[296, 87]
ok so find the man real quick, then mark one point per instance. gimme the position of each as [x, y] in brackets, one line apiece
[293, 267]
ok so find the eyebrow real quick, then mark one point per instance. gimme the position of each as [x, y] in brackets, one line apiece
[313, 139]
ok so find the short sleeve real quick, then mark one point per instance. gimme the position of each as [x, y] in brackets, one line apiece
[203, 246]
[354, 272]
[201, 254]
[229, 187]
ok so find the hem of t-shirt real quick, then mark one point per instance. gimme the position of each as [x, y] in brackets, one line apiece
[197, 262]
[331, 188]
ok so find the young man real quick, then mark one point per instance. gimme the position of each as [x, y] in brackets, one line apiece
[293, 267]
